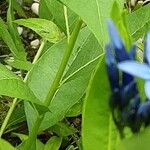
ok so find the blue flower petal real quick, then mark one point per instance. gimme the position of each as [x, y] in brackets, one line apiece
[113, 72]
[144, 110]
[110, 60]
[136, 69]
[147, 89]
[117, 43]
[147, 48]
[130, 90]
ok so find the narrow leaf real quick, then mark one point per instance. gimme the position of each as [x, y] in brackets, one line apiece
[23, 65]
[5, 35]
[14, 33]
[62, 129]
[45, 28]
[98, 131]
[53, 143]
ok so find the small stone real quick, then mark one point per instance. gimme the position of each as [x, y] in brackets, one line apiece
[35, 8]
[20, 30]
[35, 43]
[133, 2]
[140, 2]
[25, 34]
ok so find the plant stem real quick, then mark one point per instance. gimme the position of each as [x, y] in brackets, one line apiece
[55, 84]
[10, 111]
[30, 144]
[67, 23]
[3, 127]
[63, 64]
[38, 54]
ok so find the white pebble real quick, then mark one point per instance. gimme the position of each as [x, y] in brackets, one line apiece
[133, 2]
[35, 8]
[140, 2]
[35, 43]
[20, 30]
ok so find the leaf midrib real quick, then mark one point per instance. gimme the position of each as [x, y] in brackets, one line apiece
[81, 68]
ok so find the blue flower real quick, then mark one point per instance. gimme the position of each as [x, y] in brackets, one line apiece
[143, 113]
[141, 70]
[123, 87]
[125, 98]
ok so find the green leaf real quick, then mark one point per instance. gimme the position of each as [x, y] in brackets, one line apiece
[45, 28]
[140, 141]
[11, 85]
[97, 126]
[23, 65]
[139, 22]
[13, 31]
[4, 145]
[43, 73]
[19, 9]
[57, 10]
[70, 147]
[5, 35]
[119, 18]
[75, 110]
[53, 143]
[88, 49]
[17, 117]
[23, 138]
[44, 12]
[69, 98]
[62, 129]
[94, 13]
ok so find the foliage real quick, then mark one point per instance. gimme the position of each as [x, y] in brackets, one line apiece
[73, 76]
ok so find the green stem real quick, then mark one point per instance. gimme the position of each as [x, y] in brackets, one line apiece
[3, 127]
[10, 111]
[38, 54]
[67, 23]
[63, 64]
[55, 84]
[31, 142]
